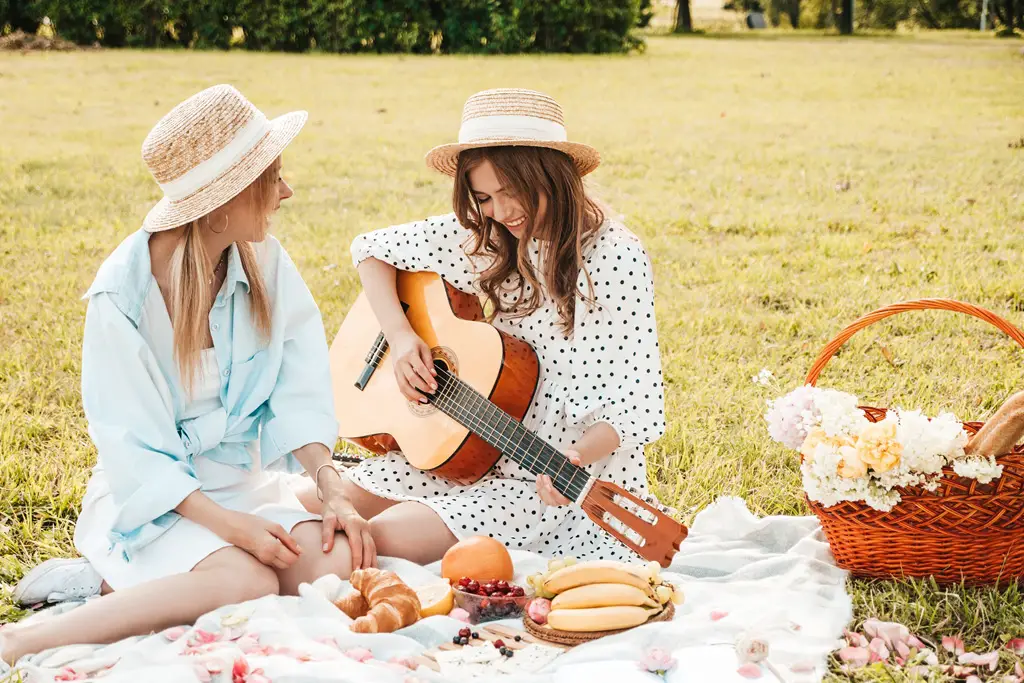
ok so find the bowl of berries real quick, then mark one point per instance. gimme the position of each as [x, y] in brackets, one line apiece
[490, 601]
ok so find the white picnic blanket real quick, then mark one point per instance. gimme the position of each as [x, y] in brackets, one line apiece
[771, 578]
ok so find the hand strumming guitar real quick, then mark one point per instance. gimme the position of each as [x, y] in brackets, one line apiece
[414, 366]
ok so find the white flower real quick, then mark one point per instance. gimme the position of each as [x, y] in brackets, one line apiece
[764, 378]
[978, 467]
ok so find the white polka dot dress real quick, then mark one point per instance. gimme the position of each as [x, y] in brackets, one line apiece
[607, 370]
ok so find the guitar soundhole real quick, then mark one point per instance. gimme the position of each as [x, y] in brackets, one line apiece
[444, 359]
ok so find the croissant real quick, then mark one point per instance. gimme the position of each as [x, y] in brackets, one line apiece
[381, 602]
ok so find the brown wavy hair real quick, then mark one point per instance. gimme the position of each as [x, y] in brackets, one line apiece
[191, 290]
[564, 230]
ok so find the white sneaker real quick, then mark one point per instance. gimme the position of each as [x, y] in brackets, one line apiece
[58, 580]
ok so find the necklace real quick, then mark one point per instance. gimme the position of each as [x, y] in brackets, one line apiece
[216, 268]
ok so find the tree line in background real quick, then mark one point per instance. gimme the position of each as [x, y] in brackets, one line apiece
[1006, 15]
[411, 26]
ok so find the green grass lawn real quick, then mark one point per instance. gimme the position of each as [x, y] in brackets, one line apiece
[783, 186]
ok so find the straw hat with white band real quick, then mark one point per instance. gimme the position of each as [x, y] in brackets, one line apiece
[207, 150]
[512, 117]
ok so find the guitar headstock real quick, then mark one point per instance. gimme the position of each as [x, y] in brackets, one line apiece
[638, 524]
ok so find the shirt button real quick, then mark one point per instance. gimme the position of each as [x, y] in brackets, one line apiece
[227, 372]
[216, 326]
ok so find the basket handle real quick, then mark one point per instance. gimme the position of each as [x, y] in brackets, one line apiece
[917, 305]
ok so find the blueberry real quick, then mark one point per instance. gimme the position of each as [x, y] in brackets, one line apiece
[518, 638]
[456, 640]
[476, 635]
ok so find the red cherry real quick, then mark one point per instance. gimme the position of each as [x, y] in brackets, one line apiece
[465, 632]
[472, 586]
[490, 588]
[502, 586]
[464, 581]
[499, 643]
[482, 592]
[517, 591]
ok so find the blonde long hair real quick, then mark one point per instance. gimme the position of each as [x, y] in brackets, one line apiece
[191, 289]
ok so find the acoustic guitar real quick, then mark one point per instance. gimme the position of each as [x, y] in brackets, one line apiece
[486, 381]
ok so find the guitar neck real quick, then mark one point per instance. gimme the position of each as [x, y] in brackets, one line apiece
[474, 411]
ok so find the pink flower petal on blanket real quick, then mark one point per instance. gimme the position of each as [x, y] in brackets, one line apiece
[403, 661]
[202, 674]
[855, 656]
[360, 654]
[749, 670]
[953, 644]
[1016, 646]
[718, 615]
[174, 633]
[460, 614]
[69, 674]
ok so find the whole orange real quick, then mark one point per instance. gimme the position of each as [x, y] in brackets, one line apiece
[481, 558]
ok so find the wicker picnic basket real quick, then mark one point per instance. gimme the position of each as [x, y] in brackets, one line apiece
[964, 532]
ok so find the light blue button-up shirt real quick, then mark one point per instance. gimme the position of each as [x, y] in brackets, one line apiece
[276, 393]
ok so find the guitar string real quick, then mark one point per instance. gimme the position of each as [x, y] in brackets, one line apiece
[504, 442]
[451, 391]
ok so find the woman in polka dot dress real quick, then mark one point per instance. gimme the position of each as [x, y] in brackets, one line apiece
[558, 273]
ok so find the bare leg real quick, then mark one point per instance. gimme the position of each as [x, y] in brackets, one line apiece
[367, 504]
[313, 562]
[412, 531]
[226, 577]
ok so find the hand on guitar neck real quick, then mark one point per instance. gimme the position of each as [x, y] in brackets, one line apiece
[546, 488]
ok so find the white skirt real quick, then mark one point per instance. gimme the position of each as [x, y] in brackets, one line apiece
[185, 544]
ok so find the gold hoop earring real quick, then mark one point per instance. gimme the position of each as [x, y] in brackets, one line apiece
[227, 220]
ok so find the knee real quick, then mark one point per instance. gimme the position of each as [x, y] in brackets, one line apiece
[338, 561]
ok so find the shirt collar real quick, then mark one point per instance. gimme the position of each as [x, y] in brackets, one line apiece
[236, 273]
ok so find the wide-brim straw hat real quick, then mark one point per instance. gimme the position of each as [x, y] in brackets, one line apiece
[512, 117]
[208, 149]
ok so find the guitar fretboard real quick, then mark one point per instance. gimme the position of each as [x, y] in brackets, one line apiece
[471, 409]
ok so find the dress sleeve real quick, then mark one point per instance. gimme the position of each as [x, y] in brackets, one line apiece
[436, 244]
[130, 412]
[616, 362]
[300, 409]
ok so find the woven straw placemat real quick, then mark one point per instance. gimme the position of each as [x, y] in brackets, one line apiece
[553, 635]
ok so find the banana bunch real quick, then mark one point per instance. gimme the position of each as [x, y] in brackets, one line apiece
[603, 595]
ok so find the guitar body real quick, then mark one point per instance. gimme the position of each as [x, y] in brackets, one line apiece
[486, 381]
[377, 417]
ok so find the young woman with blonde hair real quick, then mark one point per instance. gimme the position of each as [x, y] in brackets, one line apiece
[204, 380]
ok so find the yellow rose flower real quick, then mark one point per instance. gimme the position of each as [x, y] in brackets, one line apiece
[816, 437]
[878, 447]
[851, 466]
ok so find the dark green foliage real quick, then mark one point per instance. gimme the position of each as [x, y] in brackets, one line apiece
[408, 26]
